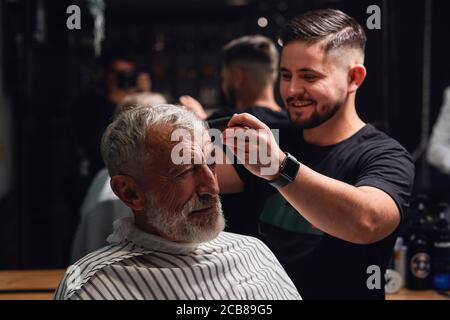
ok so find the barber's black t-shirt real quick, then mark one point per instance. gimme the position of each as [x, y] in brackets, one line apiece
[322, 266]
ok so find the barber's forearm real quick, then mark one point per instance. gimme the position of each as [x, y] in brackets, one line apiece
[334, 207]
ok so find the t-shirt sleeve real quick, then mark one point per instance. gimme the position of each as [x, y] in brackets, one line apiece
[388, 167]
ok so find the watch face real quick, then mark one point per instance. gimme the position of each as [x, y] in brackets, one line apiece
[290, 168]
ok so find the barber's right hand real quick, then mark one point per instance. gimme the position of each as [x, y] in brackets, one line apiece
[193, 105]
[254, 144]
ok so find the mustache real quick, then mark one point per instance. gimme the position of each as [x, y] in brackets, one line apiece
[298, 98]
[200, 203]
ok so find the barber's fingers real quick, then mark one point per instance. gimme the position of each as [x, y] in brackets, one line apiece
[246, 120]
[249, 141]
[239, 134]
[246, 135]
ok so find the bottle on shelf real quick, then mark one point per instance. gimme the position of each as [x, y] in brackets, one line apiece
[440, 252]
[400, 255]
[419, 260]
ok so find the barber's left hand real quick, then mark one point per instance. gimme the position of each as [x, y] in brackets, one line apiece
[254, 144]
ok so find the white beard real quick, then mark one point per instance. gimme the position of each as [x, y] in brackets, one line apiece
[179, 227]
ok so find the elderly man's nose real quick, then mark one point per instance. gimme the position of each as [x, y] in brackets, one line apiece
[207, 181]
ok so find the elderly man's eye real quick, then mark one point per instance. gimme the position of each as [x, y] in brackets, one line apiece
[184, 173]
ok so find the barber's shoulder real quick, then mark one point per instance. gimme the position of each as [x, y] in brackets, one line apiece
[378, 147]
[381, 140]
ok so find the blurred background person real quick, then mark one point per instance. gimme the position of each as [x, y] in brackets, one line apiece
[91, 114]
[438, 152]
[249, 72]
[94, 110]
[141, 98]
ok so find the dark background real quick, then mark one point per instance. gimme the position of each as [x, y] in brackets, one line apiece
[179, 41]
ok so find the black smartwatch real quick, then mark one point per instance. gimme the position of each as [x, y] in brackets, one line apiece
[287, 172]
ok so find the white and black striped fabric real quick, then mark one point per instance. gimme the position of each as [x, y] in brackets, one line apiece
[138, 265]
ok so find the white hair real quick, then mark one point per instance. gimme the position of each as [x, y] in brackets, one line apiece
[124, 138]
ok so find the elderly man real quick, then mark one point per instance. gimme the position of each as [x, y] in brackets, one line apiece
[174, 248]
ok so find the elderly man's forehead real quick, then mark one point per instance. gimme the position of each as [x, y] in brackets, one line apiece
[158, 135]
[193, 154]
[164, 137]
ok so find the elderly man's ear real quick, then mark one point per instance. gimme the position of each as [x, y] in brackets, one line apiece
[128, 191]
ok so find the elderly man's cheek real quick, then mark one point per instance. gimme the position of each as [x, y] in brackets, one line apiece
[174, 198]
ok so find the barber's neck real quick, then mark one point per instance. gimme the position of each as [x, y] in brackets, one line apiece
[340, 127]
[261, 98]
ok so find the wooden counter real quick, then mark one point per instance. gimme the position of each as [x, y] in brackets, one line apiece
[41, 284]
[29, 284]
[405, 294]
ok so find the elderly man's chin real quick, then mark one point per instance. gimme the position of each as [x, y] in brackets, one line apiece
[191, 225]
[205, 225]
[200, 219]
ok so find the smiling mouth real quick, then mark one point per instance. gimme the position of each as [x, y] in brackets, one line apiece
[301, 104]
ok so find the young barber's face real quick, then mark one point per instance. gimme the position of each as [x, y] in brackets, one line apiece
[313, 85]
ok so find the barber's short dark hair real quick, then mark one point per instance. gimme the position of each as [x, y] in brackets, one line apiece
[338, 28]
[252, 49]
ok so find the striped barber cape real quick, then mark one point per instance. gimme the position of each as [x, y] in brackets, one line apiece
[138, 266]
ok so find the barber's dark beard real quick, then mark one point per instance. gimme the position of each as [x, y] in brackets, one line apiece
[317, 119]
